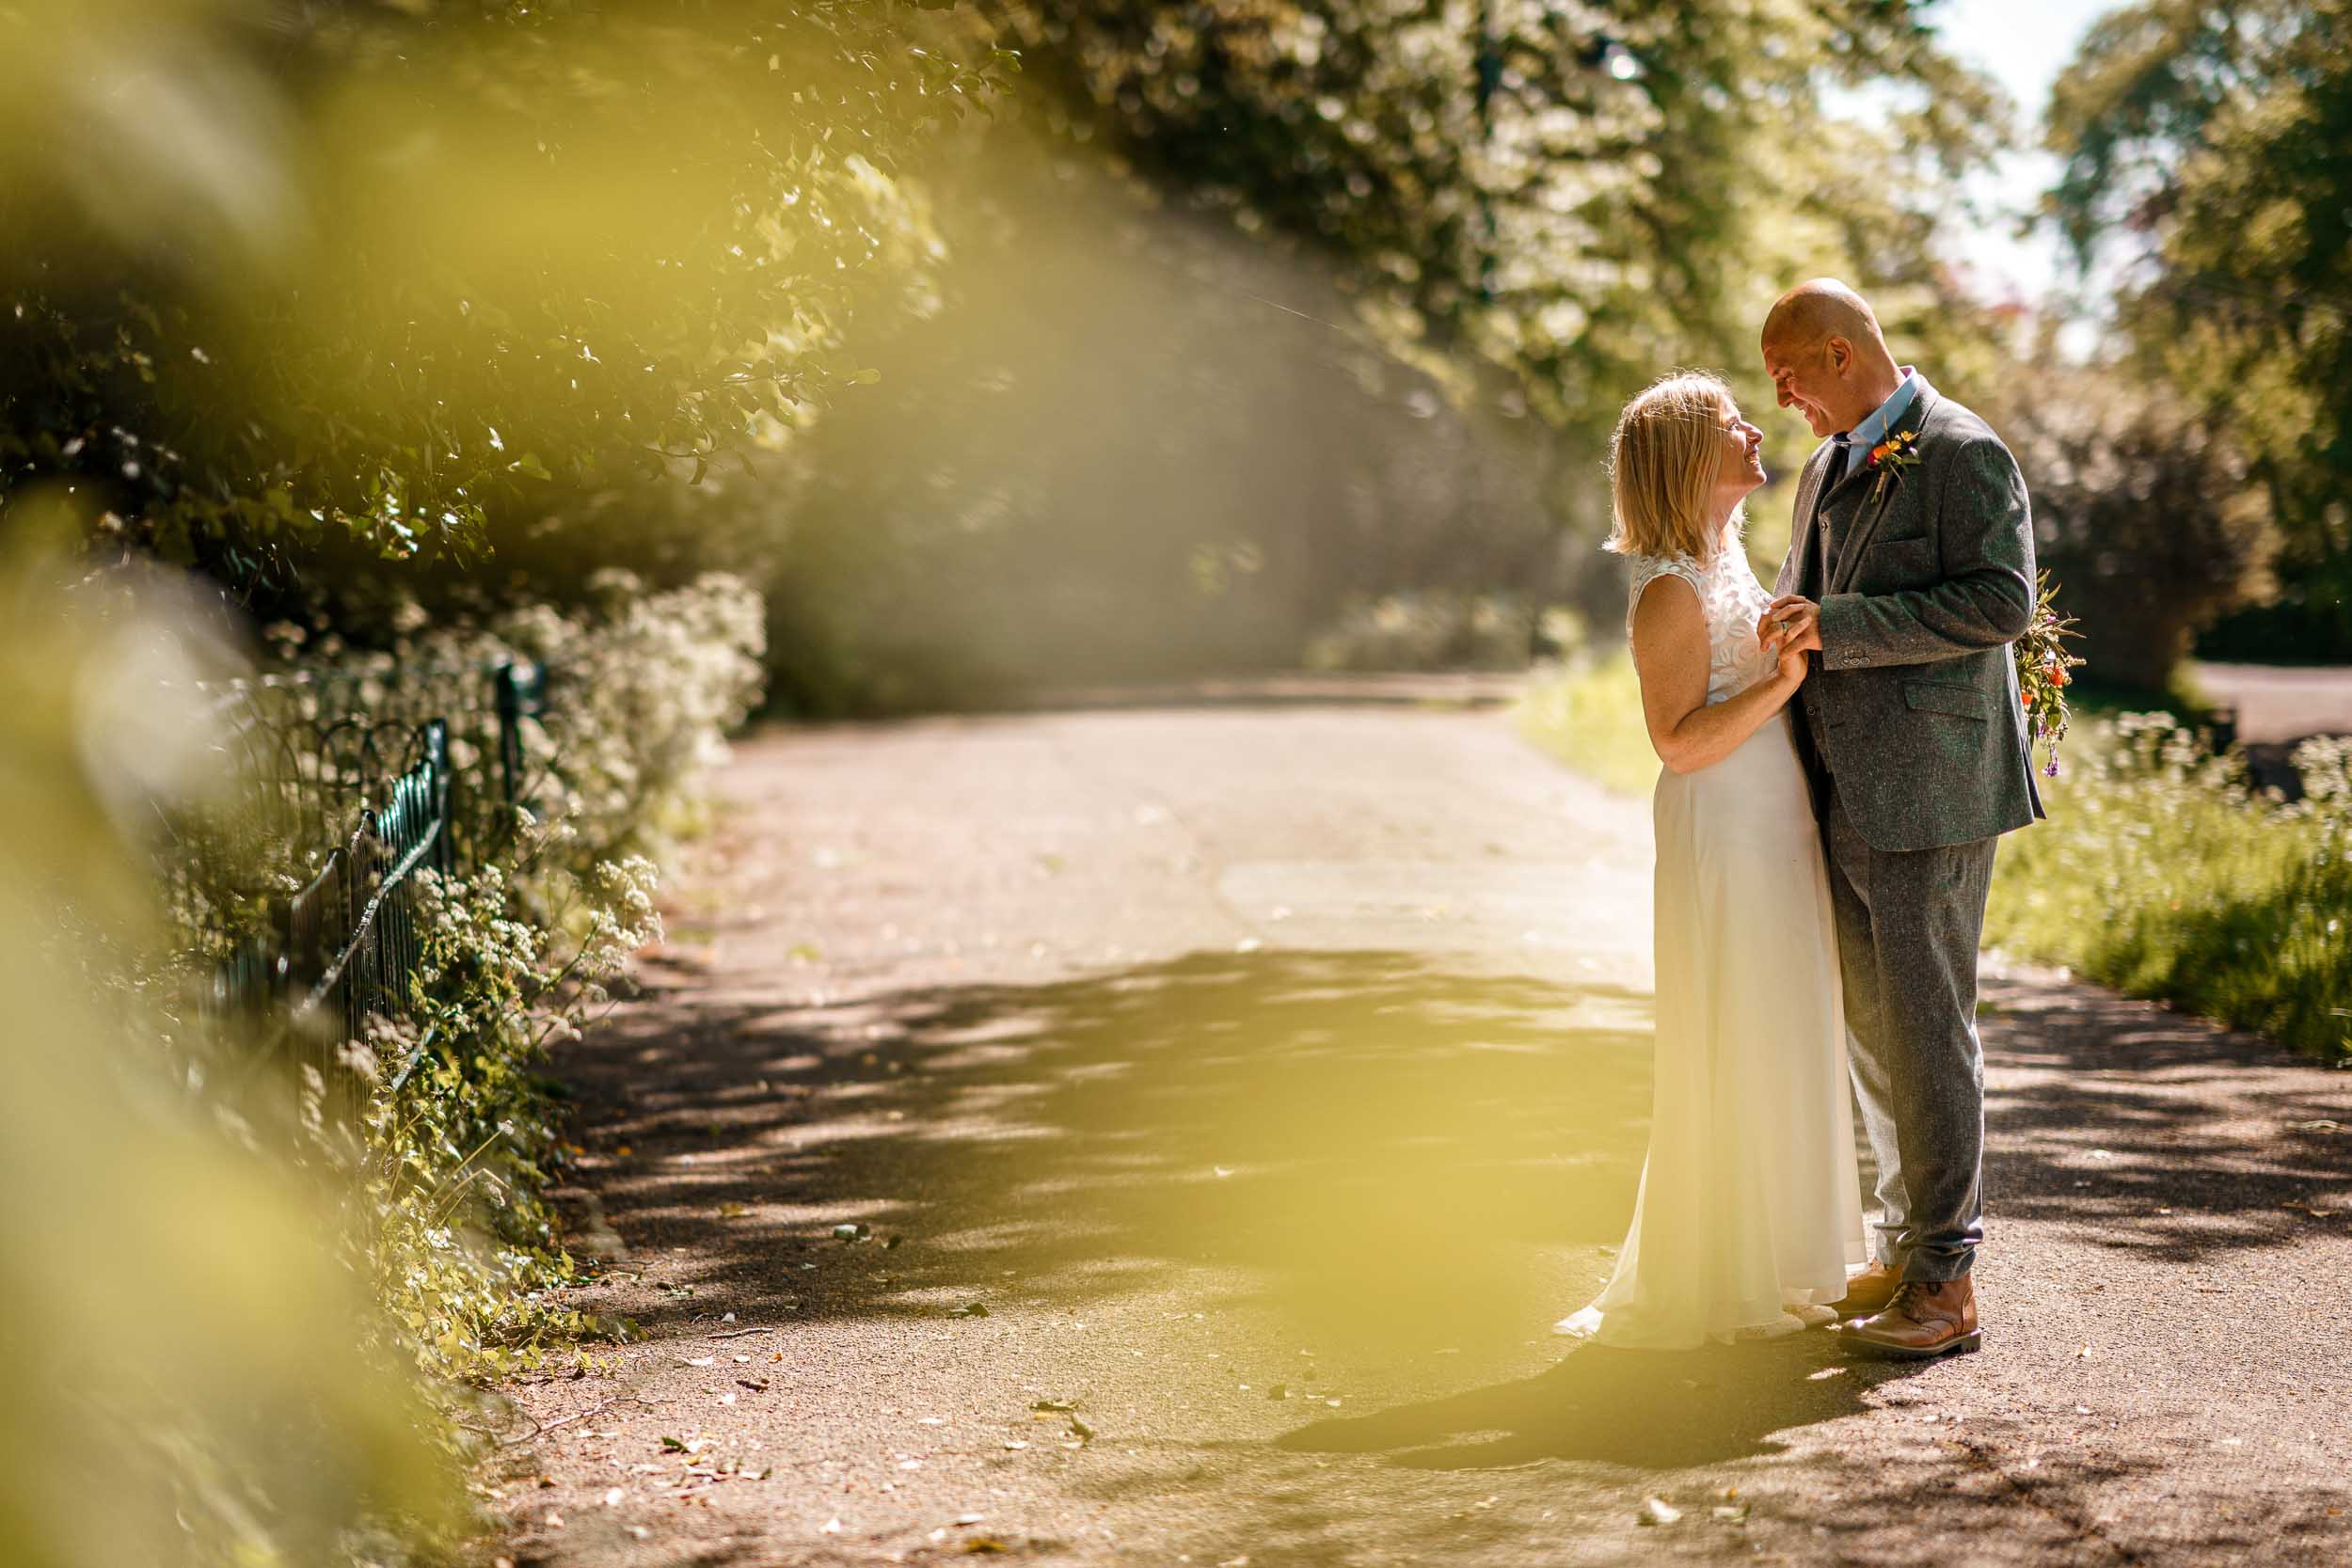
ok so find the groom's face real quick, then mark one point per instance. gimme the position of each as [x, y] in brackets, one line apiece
[1810, 378]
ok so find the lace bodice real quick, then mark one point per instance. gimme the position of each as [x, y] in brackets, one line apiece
[1730, 598]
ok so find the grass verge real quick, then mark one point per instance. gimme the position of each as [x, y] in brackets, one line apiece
[1590, 718]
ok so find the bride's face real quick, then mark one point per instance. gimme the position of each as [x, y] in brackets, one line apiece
[1740, 458]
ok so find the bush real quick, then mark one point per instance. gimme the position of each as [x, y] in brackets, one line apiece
[2145, 514]
[1437, 629]
[517, 945]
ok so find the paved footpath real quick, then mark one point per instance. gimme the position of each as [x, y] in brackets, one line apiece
[1224, 1100]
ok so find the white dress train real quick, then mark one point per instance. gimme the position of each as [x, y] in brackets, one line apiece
[1749, 1214]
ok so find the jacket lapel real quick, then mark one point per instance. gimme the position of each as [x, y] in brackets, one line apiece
[1857, 537]
[1804, 536]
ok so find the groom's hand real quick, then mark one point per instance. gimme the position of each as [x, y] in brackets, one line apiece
[1791, 626]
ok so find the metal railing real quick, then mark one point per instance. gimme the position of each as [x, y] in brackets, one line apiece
[344, 948]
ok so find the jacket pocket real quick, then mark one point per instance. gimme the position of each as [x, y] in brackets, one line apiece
[1965, 701]
[1904, 556]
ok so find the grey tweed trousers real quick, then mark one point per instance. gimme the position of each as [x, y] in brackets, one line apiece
[1908, 923]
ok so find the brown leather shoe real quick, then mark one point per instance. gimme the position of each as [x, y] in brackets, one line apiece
[1868, 1291]
[1927, 1317]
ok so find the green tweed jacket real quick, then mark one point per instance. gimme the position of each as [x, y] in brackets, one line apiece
[1912, 706]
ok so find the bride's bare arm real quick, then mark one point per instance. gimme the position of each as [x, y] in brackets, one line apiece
[1670, 655]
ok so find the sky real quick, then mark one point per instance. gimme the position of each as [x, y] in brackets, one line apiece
[2022, 45]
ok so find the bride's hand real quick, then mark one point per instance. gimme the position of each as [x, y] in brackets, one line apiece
[1789, 630]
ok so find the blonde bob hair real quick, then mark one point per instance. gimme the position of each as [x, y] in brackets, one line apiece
[1662, 461]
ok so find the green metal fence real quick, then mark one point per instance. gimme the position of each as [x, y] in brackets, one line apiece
[380, 793]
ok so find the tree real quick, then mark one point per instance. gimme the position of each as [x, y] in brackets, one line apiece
[2208, 162]
[2143, 513]
[281, 280]
[1584, 197]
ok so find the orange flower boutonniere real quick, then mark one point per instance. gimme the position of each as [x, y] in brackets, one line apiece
[1898, 451]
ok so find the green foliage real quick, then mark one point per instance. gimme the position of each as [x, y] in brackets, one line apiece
[1590, 718]
[2146, 514]
[2208, 162]
[390, 276]
[459, 1154]
[1220, 359]
[1585, 196]
[2158, 873]
[1436, 630]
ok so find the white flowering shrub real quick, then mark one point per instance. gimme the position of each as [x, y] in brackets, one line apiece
[459, 1153]
[2163, 873]
[446, 1166]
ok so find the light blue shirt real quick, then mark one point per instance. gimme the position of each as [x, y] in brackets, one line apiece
[1854, 445]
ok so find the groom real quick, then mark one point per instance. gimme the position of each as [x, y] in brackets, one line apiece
[1909, 574]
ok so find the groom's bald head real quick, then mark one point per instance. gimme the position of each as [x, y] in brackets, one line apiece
[1811, 313]
[1826, 357]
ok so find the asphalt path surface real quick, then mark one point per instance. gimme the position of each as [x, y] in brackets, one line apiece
[1270, 1078]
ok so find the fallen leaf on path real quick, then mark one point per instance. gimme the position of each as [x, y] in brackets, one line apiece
[1657, 1510]
[1085, 1433]
[700, 1360]
[1825, 1372]
[971, 1518]
[830, 1526]
[1279, 1391]
[969, 1310]
[672, 1445]
[733, 1211]
[982, 1544]
[1055, 1404]
[614, 1497]
[1736, 1514]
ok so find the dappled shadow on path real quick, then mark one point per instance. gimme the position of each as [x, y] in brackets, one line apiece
[2147, 1131]
[1360, 1132]
[1364, 1133]
[1391, 1154]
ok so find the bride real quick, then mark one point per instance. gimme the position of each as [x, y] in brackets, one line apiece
[1749, 1214]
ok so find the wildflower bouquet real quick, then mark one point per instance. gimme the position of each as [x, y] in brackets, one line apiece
[2043, 663]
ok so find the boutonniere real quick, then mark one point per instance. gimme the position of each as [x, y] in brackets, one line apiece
[1898, 451]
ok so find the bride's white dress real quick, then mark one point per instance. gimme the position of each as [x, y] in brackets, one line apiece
[1749, 1215]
